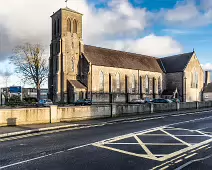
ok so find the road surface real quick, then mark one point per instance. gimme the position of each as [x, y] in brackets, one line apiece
[163, 142]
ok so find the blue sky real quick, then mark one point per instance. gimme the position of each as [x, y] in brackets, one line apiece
[151, 27]
[197, 37]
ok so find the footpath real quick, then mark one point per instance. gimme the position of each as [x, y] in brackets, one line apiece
[9, 131]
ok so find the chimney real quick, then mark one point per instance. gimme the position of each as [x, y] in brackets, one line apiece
[207, 78]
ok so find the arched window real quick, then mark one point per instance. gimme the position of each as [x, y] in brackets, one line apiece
[72, 64]
[192, 80]
[147, 84]
[74, 26]
[68, 25]
[101, 81]
[159, 85]
[196, 79]
[133, 83]
[55, 27]
[154, 83]
[118, 81]
[58, 26]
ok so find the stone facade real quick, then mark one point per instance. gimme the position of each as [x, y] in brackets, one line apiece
[105, 75]
[194, 81]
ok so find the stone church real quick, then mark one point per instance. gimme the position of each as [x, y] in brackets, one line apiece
[79, 71]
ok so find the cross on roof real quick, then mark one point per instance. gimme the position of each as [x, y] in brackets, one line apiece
[66, 3]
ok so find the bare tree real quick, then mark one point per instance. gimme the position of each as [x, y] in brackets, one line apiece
[31, 64]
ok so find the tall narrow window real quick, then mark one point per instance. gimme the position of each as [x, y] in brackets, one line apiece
[58, 26]
[74, 26]
[101, 88]
[118, 81]
[72, 64]
[154, 83]
[55, 27]
[192, 81]
[196, 80]
[147, 84]
[133, 83]
[159, 85]
[68, 25]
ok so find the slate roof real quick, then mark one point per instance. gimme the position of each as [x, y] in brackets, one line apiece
[113, 58]
[208, 88]
[176, 63]
[77, 84]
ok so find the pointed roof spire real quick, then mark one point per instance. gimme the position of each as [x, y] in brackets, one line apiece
[193, 50]
[66, 3]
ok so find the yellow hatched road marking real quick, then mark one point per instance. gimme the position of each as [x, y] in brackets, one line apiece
[164, 167]
[176, 138]
[149, 153]
[126, 152]
[190, 155]
[179, 161]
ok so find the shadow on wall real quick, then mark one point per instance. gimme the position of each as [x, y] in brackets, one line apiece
[11, 121]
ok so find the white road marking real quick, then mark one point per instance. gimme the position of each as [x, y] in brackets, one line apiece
[36, 158]
[44, 156]
[192, 161]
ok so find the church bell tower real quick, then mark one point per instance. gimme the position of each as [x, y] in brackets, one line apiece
[65, 50]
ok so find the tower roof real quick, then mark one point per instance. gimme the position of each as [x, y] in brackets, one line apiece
[67, 9]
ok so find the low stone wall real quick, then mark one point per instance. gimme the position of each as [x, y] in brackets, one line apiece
[121, 109]
[12, 117]
[164, 107]
[83, 112]
[205, 104]
[188, 105]
[54, 114]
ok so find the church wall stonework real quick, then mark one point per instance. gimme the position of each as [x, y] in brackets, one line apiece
[193, 93]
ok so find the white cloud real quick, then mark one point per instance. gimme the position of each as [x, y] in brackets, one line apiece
[29, 20]
[149, 45]
[207, 66]
[188, 13]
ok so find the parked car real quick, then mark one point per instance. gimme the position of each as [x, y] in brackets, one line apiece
[83, 102]
[137, 101]
[161, 101]
[45, 102]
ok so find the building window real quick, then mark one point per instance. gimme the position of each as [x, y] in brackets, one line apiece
[147, 84]
[56, 65]
[101, 87]
[72, 64]
[58, 26]
[55, 27]
[196, 79]
[133, 83]
[74, 26]
[68, 25]
[118, 81]
[154, 83]
[159, 85]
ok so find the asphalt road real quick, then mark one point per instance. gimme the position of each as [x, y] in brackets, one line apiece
[164, 142]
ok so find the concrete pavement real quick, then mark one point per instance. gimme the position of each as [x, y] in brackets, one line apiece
[163, 142]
